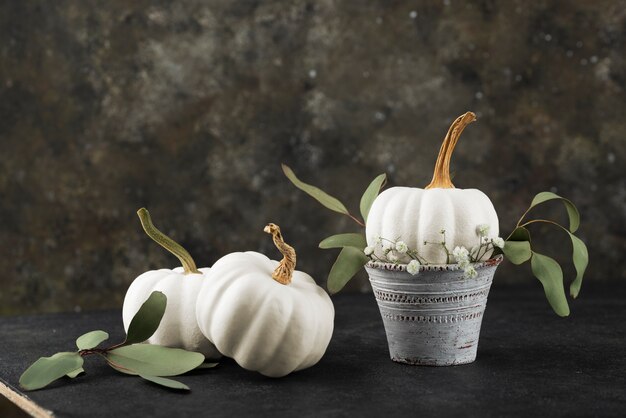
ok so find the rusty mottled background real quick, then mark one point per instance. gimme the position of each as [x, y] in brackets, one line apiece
[189, 107]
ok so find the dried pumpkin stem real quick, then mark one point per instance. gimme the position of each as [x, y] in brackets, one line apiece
[287, 265]
[166, 242]
[441, 175]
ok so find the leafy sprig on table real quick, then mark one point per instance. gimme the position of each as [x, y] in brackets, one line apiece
[517, 247]
[148, 361]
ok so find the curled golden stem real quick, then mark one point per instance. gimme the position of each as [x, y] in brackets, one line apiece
[287, 265]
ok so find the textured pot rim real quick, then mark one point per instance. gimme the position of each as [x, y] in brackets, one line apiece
[495, 261]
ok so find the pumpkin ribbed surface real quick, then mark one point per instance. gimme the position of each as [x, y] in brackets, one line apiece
[264, 325]
[178, 328]
[416, 215]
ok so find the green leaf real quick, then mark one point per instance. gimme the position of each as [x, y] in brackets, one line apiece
[519, 234]
[321, 196]
[370, 195]
[207, 365]
[153, 360]
[75, 373]
[580, 257]
[572, 211]
[147, 319]
[170, 383]
[91, 339]
[344, 240]
[348, 263]
[517, 252]
[48, 369]
[549, 273]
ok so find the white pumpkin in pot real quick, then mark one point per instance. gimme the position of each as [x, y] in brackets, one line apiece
[263, 313]
[416, 216]
[178, 327]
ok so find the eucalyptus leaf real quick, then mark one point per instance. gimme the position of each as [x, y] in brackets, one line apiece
[580, 258]
[520, 234]
[153, 360]
[48, 369]
[321, 196]
[344, 240]
[370, 195]
[75, 373]
[207, 365]
[517, 252]
[348, 263]
[572, 211]
[147, 319]
[91, 339]
[549, 273]
[170, 383]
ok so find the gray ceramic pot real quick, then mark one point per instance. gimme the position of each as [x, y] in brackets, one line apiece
[434, 317]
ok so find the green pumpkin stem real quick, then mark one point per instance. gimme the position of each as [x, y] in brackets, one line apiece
[441, 176]
[287, 265]
[166, 242]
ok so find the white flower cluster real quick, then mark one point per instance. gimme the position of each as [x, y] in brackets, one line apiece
[482, 231]
[413, 267]
[393, 252]
[462, 257]
[465, 258]
[401, 247]
[399, 251]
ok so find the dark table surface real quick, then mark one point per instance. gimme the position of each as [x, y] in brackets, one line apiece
[530, 363]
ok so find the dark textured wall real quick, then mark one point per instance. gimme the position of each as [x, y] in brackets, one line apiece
[188, 108]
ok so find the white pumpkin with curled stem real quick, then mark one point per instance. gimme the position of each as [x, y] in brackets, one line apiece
[181, 285]
[263, 313]
[418, 216]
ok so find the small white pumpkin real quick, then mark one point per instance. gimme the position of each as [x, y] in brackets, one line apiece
[416, 216]
[266, 315]
[181, 286]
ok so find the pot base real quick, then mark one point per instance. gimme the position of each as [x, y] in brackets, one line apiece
[431, 362]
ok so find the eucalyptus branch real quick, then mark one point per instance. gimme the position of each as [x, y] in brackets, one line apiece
[522, 217]
[156, 361]
[355, 219]
[544, 221]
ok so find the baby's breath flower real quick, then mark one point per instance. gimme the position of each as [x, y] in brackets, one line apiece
[470, 272]
[401, 247]
[464, 263]
[368, 250]
[498, 242]
[377, 239]
[413, 267]
[460, 253]
[392, 257]
[386, 248]
[482, 230]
